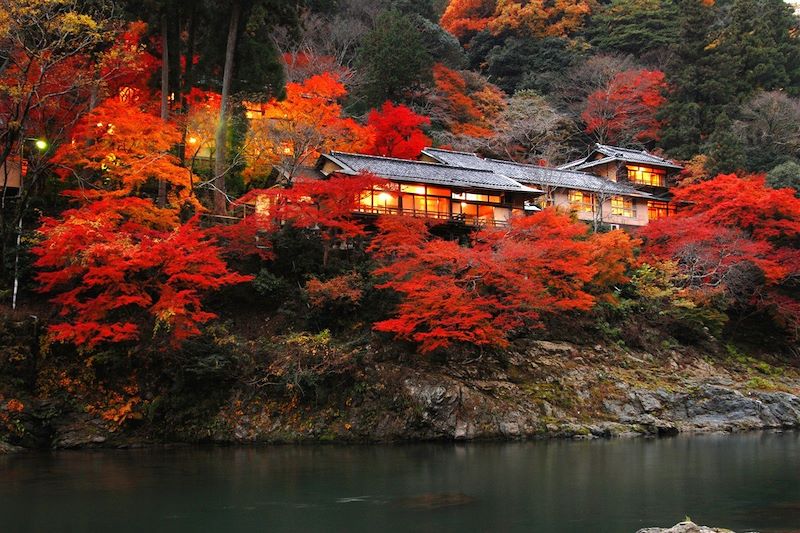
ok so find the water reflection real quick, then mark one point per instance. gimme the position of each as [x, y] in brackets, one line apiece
[744, 482]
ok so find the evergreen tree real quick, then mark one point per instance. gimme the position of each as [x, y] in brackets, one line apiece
[393, 59]
[724, 150]
[786, 174]
[761, 40]
[700, 80]
[636, 27]
[516, 63]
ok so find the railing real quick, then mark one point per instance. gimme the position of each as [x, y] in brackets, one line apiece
[460, 218]
[236, 213]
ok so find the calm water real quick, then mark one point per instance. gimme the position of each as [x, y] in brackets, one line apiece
[745, 482]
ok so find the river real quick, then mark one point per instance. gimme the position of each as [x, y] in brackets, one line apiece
[745, 482]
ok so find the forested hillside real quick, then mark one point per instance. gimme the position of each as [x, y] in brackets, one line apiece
[169, 253]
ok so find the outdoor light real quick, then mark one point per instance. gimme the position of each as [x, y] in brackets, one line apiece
[192, 140]
[40, 144]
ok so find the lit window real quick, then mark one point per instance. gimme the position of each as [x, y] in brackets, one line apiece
[656, 210]
[656, 177]
[438, 191]
[580, 201]
[413, 189]
[621, 206]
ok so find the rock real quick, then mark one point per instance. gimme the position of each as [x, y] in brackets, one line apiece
[684, 527]
[709, 407]
[8, 448]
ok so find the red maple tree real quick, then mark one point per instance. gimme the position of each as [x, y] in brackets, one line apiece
[625, 110]
[122, 268]
[397, 131]
[737, 235]
[510, 278]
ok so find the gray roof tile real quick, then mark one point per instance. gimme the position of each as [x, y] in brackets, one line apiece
[616, 153]
[431, 173]
[536, 175]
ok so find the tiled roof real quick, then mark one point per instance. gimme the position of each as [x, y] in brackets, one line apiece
[616, 153]
[536, 175]
[430, 173]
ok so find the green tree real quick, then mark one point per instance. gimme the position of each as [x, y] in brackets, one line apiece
[700, 78]
[761, 39]
[393, 59]
[724, 150]
[637, 27]
[786, 174]
[518, 63]
[439, 43]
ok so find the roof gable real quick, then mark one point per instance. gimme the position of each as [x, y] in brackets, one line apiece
[605, 153]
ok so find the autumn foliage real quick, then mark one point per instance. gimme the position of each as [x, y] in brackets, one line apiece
[122, 269]
[117, 148]
[292, 132]
[465, 103]
[736, 235]
[537, 18]
[397, 131]
[625, 110]
[508, 280]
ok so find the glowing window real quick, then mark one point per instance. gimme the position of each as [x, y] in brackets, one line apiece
[580, 201]
[621, 206]
[656, 210]
[656, 177]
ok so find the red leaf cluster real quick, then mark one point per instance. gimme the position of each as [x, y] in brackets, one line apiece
[626, 108]
[397, 131]
[121, 267]
[728, 227]
[510, 278]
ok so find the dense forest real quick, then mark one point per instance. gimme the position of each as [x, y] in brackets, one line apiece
[137, 283]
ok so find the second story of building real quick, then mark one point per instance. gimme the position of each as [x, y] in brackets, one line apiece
[643, 170]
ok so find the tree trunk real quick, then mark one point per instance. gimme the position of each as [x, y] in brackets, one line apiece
[162, 185]
[188, 79]
[220, 196]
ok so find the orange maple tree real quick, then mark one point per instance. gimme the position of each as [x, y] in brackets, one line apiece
[293, 132]
[464, 17]
[117, 148]
[465, 102]
[625, 110]
[540, 18]
[396, 131]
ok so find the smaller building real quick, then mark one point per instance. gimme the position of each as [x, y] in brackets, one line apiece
[639, 168]
[452, 194]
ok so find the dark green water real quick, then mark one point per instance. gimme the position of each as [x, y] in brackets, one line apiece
[744, 482]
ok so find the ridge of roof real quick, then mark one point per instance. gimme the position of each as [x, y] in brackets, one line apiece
[469, 176]
[411, 161]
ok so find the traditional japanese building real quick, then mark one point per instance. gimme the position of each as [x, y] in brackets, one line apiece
[612, 186]
[639, 168]
[464, 195]
[594, 198]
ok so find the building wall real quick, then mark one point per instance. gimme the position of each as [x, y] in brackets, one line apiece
[561, 199]
[10, 173]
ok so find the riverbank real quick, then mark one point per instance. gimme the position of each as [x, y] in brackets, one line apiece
[539, 389]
